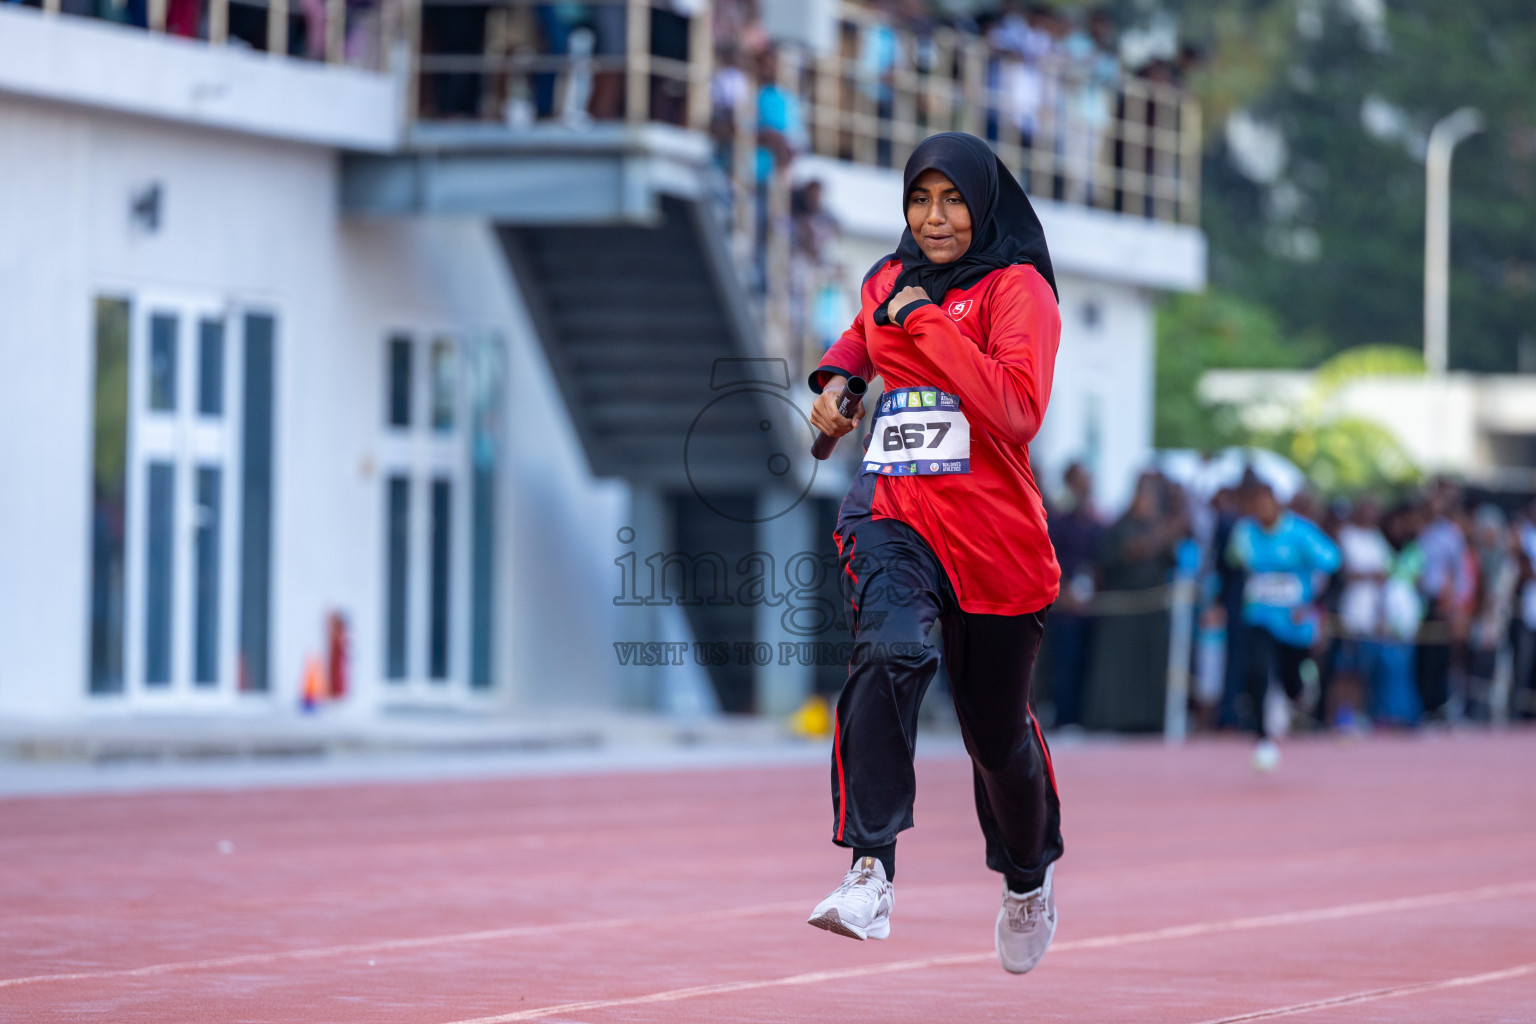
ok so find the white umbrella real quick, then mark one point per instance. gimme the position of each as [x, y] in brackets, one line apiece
[1203, 477]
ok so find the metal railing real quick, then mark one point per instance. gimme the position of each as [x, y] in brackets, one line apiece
[1076, 131]
[1073, 131]
[532, 65]
[330, 31]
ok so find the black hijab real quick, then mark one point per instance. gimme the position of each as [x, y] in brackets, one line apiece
[1004, 228]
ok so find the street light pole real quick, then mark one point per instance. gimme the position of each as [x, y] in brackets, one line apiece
[1443, 137]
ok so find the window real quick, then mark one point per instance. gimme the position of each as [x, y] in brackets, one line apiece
[256, 503]
[442, 534]
[109, 497]
[181, 499]
[398, 399]
[158, 569]
[438, 504]
[210, 367]
[162, 362]
[205, 584]
[397, 559]
[483, 365]
[444, 384]
[482, 570]
[1093, 434]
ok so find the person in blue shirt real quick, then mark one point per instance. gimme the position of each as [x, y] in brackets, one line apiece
[1287, 558]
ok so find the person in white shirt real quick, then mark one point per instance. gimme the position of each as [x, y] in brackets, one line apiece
[1367, 559]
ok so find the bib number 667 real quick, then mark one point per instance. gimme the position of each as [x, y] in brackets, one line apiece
[912, 435]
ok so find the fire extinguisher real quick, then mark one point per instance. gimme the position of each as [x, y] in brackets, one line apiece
[338, 653]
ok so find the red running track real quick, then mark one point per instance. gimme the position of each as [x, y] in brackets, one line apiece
[1390, 880]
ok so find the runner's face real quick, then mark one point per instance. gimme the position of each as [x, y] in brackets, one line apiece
[939, 218]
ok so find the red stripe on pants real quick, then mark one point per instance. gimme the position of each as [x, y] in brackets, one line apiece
[1047, 752]
[842, 783]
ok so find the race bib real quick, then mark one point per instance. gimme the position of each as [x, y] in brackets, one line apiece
[918, 432]
[1277, 589]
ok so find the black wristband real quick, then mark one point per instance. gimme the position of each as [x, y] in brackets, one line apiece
[906, 311]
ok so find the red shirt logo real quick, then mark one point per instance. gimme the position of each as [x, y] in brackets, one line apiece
[959, 308]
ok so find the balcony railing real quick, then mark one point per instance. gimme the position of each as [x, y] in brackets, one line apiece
[1076, 132]
[1073, 131]
[1079, 133]
[522, 61]
[352, 32]
[1082, 133]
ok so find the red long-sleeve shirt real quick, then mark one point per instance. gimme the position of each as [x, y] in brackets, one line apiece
[993, 345]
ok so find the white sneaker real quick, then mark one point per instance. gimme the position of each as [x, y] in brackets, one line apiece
[1266, 756]
[1026, 924]
[860, 908]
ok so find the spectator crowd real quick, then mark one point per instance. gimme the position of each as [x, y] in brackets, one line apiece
[1346, 615]
[1052, 79]
[1050, 94]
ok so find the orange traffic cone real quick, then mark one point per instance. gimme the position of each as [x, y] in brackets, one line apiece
[314, 684]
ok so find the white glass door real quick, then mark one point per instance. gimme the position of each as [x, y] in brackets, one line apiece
[425, 517]
[180, 627]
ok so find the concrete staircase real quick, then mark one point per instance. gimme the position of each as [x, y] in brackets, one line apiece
[646, 327]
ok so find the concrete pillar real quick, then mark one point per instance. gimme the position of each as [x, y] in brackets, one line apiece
[782, 685]
[662, 672]
[649, 529]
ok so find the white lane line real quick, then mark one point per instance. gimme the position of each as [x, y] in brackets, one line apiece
[1341, 912]
[523, 931]
[1347, 910]
[387, 945]
[677, 994]
[427, 941]
[1380, 993]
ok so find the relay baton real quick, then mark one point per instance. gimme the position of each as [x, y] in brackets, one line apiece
[847, 407]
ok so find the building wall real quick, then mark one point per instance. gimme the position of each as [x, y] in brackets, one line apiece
[1101, 399]
[114, 67]
[1476, 426]
[254, 221]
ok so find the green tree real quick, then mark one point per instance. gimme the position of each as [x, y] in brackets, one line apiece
[1330, 237]
[1213, 330]
[1342, 452]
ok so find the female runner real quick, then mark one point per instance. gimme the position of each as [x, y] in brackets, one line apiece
[944, 523]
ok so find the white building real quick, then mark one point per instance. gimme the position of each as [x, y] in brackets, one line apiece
[230, 411]
[1479, 427]
[277, 352]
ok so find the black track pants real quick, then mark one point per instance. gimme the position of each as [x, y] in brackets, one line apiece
[1266, 655]
[896, 589]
